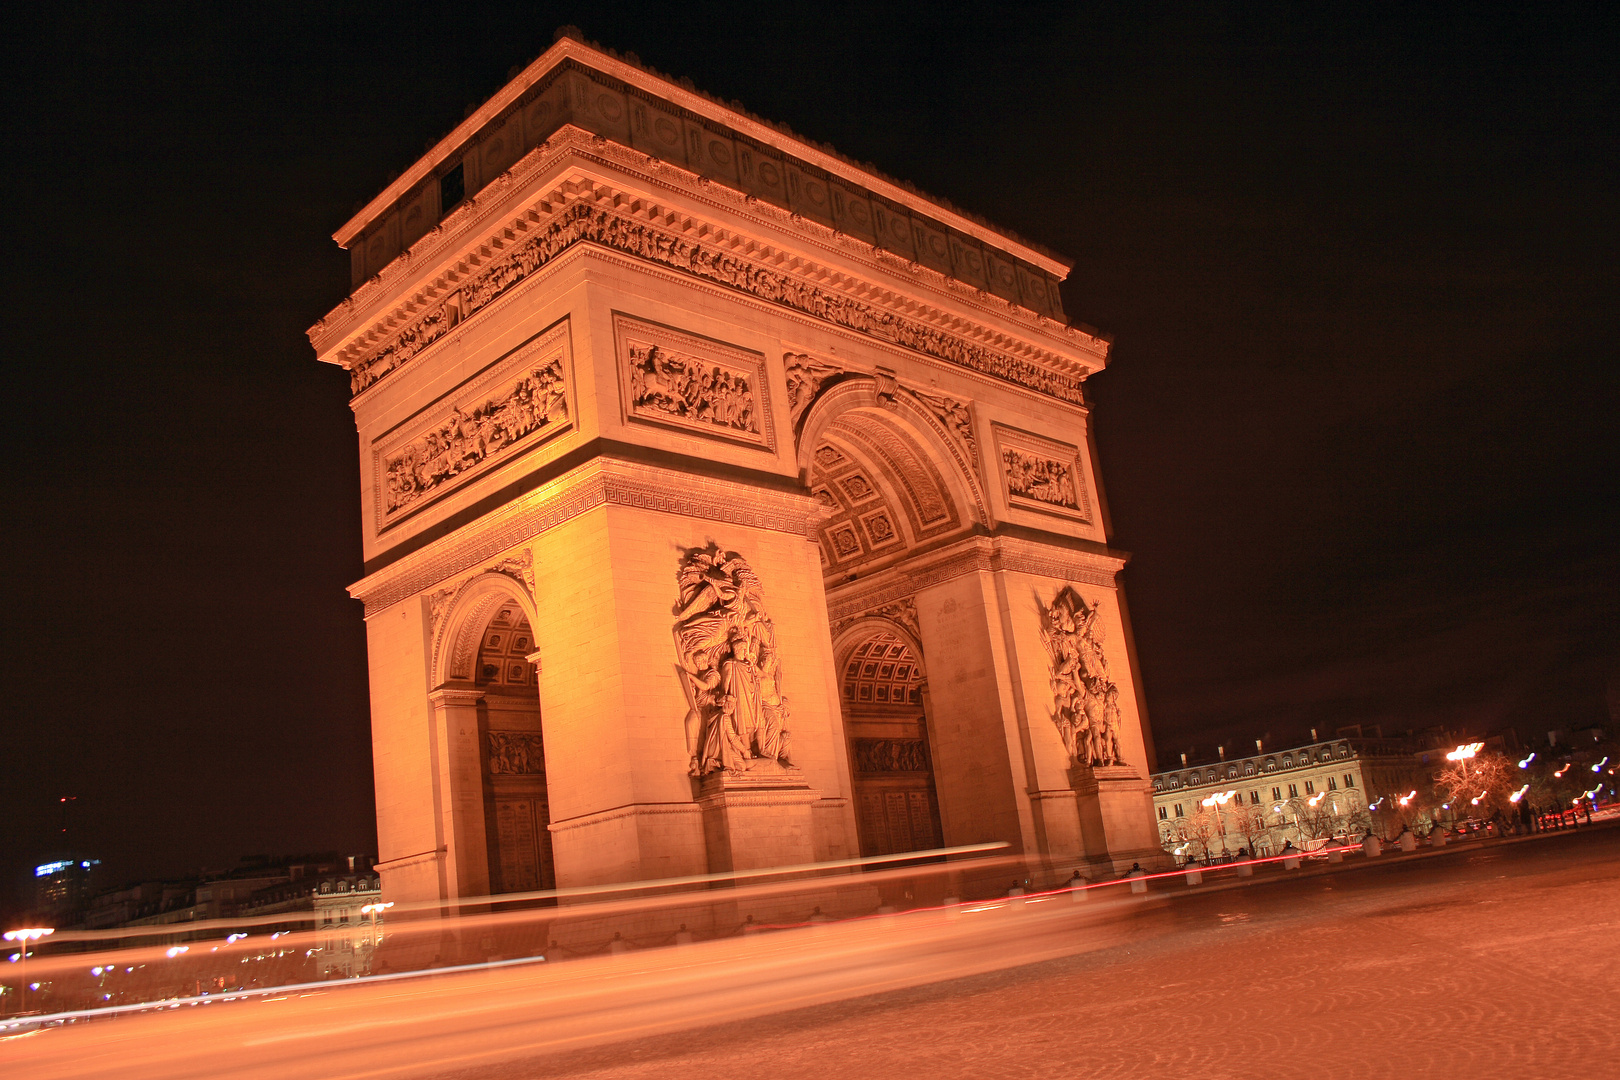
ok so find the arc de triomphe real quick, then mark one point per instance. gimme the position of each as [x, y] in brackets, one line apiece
[726, 504]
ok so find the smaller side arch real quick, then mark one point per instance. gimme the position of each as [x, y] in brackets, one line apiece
[455, 645]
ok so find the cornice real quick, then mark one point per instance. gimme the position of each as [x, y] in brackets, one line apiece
[476, 243]
[602, 481]
[690, 99]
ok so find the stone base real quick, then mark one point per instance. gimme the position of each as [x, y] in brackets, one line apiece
[1116, 819]
[757, 818]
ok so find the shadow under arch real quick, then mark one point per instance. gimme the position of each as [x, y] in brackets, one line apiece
[883, 696]
[855, 401]
[490, 762]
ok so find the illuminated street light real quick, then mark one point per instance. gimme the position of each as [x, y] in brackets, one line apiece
[1560, 773]
[1517, 795]
[1599, 766]
[1465, 751]
[1525, 764]
[22, 938]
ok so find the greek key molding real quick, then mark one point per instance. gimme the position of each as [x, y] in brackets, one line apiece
[596, 483]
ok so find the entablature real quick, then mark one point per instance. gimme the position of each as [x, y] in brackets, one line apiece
[581, 189]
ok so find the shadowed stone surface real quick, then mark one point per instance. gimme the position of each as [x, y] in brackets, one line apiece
[1488, 962]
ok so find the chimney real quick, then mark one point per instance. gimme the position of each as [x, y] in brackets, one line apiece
[1183, 760]
[1257, 747]
[1221, 750]
[1313, 734]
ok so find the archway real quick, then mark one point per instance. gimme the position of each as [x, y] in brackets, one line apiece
[513, 755]
[891, 763]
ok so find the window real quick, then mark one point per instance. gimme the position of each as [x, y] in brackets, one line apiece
[1248, 768]
[1179, 812]
[1193, 779]
[1310, 788]
[1333, 785]
[1293, 791]
[1276, 793]
[452, 188]
[1175, 781]
[1254, 798]
[1349, 780]
[1163, 813]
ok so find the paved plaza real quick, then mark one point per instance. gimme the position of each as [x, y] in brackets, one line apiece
[1482, 962]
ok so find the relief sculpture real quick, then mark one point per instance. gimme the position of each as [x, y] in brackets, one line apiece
[687, 389]
[805, 375]
[516, 753]
[729, 665]
[1041, 479]
[890, 755]
[1085, 701]
[467, 438]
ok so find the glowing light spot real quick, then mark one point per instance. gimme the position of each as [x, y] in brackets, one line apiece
[1465, 751]
[177, 950]
[1525, 764]
[1517, 795]
[1599, 766]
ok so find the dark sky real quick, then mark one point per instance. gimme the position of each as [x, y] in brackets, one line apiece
[1359, 261]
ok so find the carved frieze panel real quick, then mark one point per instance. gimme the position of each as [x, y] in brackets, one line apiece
[513, 406]
[691, 383]
[956, 418]
[515, 753]
[889, 755]
[1042, 474]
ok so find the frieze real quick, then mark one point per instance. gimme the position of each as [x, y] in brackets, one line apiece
[521, 402]
[582, 222]
[1042, 474]
[889, 755]
[686, 382]
[901, 612]
[516, 753]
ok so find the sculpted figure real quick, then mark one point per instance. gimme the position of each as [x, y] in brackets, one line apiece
[1085, 701]
[728, 664]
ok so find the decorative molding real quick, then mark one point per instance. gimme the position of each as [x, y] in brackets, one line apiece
[515, 753]
[520, 402]
[729, 665]
[1042, 474]
[596, 483]
[478, 214]
[1085, 701]
[520, 567]
[901, 612]
[693, 384]
[582, 222]
[970, 556]
[805, 375]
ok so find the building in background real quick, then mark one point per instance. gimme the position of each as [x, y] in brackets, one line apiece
[1303, 795]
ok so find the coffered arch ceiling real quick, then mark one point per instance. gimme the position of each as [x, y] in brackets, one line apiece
[880, 490]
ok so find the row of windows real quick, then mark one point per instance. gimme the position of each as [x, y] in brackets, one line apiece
[1276, 794]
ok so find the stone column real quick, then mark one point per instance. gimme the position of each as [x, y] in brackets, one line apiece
[758, 818]
[458, 765]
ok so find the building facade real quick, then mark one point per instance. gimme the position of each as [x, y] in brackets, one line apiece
[1303, 795]
[725, 504]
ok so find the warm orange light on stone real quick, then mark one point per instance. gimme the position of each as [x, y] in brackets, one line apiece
[655, 326]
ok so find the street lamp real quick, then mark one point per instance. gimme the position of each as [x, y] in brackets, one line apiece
[23, 937]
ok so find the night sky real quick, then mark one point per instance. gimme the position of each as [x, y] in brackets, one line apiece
[1359, 264]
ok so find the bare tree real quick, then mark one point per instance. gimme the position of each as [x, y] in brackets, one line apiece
[1249, 823]
[1477, 786]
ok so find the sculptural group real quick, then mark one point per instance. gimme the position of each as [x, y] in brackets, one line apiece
[1085, 700]
[728, 664]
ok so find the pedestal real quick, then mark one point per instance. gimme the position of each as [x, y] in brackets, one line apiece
[1116, 818]
[757, 818]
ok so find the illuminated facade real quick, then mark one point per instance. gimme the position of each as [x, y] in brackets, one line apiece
[1302, 795]
[725, 504]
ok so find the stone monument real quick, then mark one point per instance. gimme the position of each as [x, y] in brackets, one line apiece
[726, 504]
